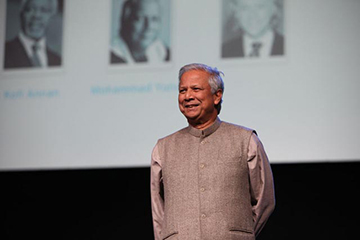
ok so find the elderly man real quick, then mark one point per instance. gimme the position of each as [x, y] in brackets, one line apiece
[29, 48]
[258, 37]
[212, 179]
[138, 39]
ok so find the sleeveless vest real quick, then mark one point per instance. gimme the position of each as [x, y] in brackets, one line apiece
[206, 184]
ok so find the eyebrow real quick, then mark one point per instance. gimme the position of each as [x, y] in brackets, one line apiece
[191, 86]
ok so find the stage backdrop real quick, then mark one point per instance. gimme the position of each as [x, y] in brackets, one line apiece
[88, 112]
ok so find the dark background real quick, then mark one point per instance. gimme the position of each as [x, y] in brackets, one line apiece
[314, 201]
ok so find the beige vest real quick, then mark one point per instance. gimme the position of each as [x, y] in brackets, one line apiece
[206, 184]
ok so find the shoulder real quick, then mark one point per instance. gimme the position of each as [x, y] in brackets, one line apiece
[278, 45]
[14, 45]
[114, 58]
[168, 54]
[278, 37]
[53, 58]
[235, 127]
[13, 42]
[235, 133]
[15, 55]
[171, 141]
[233, 47]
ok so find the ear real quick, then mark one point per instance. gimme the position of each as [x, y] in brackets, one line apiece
[217, 96]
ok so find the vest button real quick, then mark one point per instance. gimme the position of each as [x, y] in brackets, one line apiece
[203, 216]
[202, 189]
[202, 165]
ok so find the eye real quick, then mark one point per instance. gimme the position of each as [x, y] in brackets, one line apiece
[45, 10]
[29, 10]
[155, 19]
[137, 18]
[182, 90]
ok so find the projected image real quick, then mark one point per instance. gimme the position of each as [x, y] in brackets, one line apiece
[140, 31]
[252, 29]
[33, 34]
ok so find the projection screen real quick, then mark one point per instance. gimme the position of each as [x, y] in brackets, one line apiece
[90, 108]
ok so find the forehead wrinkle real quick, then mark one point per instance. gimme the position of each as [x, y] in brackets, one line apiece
[191, 85]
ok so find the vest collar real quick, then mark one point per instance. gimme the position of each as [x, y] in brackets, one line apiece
[206, 132]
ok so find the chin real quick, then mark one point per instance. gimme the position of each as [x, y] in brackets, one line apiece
[191, 116]
[35, 34]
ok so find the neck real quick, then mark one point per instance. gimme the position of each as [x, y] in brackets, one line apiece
[258, 36]
[138, 52]
[202, 125]
[28, 38]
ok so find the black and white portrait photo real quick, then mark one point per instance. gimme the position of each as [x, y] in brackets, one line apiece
[252, 29]
[33, 34]
[140, 31]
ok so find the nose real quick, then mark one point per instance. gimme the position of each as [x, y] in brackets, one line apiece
[146, 23]
[189, 95]
[150, 23]
[37, 13]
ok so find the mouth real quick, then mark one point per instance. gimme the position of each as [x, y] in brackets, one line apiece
[190, 106]
[149, 35]
[36, 26]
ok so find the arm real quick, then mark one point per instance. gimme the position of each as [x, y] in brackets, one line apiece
[261, 184]
[157, 201]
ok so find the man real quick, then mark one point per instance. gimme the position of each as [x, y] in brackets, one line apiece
[212, 179]
[139, 34]
[257, 36]
[29, 48]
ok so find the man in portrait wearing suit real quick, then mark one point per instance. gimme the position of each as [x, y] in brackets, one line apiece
[257, 36]
[138, 39]
[29, 48]
[211, 179]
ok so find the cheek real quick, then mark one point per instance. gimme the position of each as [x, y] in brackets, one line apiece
[155, 25]
[134, 31]
[180, 103]
[180, 100]
[181, 108]
[138, 25]
[47, 17]
[27, 17]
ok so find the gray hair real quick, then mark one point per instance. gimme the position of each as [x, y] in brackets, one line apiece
[53, 5]
[215, 80]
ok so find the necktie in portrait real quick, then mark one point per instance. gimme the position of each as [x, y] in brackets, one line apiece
[255, 50]
[35, 59]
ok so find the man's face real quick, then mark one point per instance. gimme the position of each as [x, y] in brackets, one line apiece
[255, 15]
[145, 23]
[196, 101]
[35, 18]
